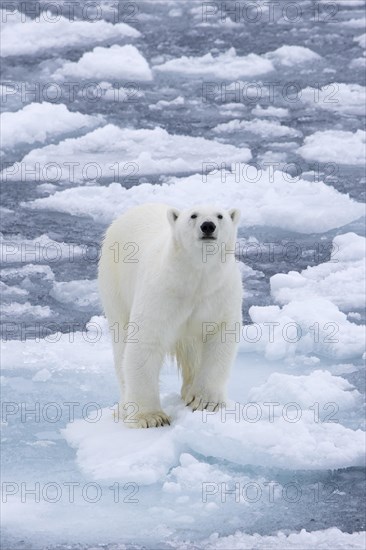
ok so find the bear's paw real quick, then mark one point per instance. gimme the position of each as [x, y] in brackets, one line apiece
[199, 400]
[153, 419]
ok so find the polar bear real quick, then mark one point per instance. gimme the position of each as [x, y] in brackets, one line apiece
[170, 284]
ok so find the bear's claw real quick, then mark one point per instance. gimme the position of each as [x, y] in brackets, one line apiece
[149, 420]
[199, 403]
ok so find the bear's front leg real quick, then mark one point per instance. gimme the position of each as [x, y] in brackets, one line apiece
[208, 389]
[141, 366]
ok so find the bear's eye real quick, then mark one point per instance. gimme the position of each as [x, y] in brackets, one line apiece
[194, 216]
[220, 216]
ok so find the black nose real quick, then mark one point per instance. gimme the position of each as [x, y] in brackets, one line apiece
[208, 227]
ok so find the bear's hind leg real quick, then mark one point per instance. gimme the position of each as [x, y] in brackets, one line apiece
[188, 358]
[208, 390]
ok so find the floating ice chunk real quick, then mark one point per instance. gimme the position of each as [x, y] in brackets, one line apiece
[341, 280]
[190, 475]
[270, 112]
[267, 129]
[26, 271]
[318, 387]
[327, 539]
[232, 109]
[348, 3]
[361, 40]
[38, 122]
[42, 376]
[116, 62]
[312, 325]
[247, 272]
[89, 349]
[335, 146]
[354, 315]
[342, 98]
[162, 104]
[285, 443]
[5, 211]
[125, 152]
[108, 92]
[268, 199]
[11, 291]
[15, 311]
[82, 293]
[358, 63]
[108, 450]
[227, 65]
[175, 12]
[22, 35]
[355, 23]
[289, 56]
[41, 249]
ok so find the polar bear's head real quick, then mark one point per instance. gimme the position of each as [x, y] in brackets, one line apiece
[204, 224]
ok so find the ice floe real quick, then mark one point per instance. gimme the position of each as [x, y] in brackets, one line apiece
[119, 153]
[337, 146]
[102, 63]
[40, 122]
[265, 197]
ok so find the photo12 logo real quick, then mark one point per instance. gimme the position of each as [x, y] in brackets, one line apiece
[70, 92]
[72, 10]
[271, 492]
[269, 11]
[69, 492]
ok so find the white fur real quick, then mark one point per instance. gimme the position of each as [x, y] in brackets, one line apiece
[159, 284]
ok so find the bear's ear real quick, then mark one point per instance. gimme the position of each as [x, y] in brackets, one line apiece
[172, 214]
[235, 214]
